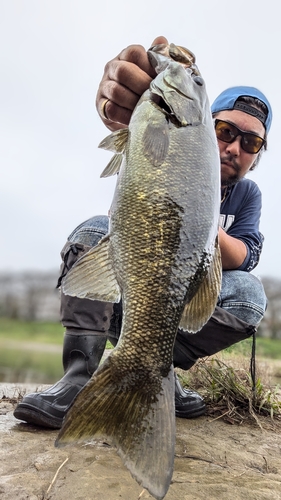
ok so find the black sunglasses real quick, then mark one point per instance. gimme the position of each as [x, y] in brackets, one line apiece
[226, 132]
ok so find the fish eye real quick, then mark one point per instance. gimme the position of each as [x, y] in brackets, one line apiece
[199, 80]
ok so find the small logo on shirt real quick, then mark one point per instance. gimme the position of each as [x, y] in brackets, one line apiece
[226, 221]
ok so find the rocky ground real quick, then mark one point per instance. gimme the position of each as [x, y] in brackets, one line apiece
[214, 460]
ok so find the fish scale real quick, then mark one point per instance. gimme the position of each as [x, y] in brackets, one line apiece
[161, 257]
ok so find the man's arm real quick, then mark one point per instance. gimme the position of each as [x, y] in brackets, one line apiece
[233, 251]
[239, 236]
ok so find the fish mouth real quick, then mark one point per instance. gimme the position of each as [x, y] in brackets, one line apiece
[162, 105]
[173, 97]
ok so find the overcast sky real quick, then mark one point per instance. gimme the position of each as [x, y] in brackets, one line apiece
[52, 55]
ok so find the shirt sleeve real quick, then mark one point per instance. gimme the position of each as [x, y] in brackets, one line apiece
[246, 223]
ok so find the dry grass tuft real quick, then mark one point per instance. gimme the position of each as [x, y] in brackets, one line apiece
[13, 396]
[228, 390]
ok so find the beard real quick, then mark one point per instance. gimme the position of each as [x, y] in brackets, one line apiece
[229, 179]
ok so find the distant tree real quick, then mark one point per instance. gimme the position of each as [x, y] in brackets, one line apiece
[29, 295]
[10, 306]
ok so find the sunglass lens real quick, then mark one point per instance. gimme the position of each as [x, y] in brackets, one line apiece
[225, 131]
[251, 143]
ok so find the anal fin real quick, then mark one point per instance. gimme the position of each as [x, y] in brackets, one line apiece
[198, 311]
[92, 276]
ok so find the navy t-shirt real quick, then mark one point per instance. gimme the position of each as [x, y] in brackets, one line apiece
[240, 217]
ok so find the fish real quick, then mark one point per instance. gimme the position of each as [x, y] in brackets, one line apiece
[161, 258]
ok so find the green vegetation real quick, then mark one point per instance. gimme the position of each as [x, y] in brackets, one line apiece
[31, 351]
[28, 366]
[265, 347]
[31, 331]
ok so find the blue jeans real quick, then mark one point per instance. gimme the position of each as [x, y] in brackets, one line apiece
[91, 231]
[242, 293]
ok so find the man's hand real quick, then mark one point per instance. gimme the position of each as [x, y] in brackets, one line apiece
[125, 79]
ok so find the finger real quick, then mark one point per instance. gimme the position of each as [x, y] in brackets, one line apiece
[137, 55]
[159, 40]
[119, 94]
[129, 76]
[117, 116]
[123, 84]
[115, 104]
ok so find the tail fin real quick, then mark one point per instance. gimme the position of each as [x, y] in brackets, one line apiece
[137, 416]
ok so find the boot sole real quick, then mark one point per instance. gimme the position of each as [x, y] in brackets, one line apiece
[34, 417]
[192, 413]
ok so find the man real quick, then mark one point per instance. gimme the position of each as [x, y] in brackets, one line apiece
[242, 119]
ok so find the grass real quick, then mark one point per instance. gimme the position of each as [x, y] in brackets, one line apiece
[228, 390]
[28, 351]
[31, 331]
[19, 366]
[265, 348]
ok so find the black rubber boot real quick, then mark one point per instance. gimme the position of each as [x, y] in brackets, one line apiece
[188, 404]
[221, 331]
[87, 323]
[82, 353]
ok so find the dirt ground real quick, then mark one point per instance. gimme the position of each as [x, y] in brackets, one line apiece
[214, 460]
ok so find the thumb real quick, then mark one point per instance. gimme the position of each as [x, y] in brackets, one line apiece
[159, 40]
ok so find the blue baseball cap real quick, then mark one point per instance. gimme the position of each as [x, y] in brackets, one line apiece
[227, 100]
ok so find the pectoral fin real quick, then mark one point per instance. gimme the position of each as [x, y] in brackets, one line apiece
[113, 166]
[115, 142]
[156, 140]
[93, 277]
[199, 310]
